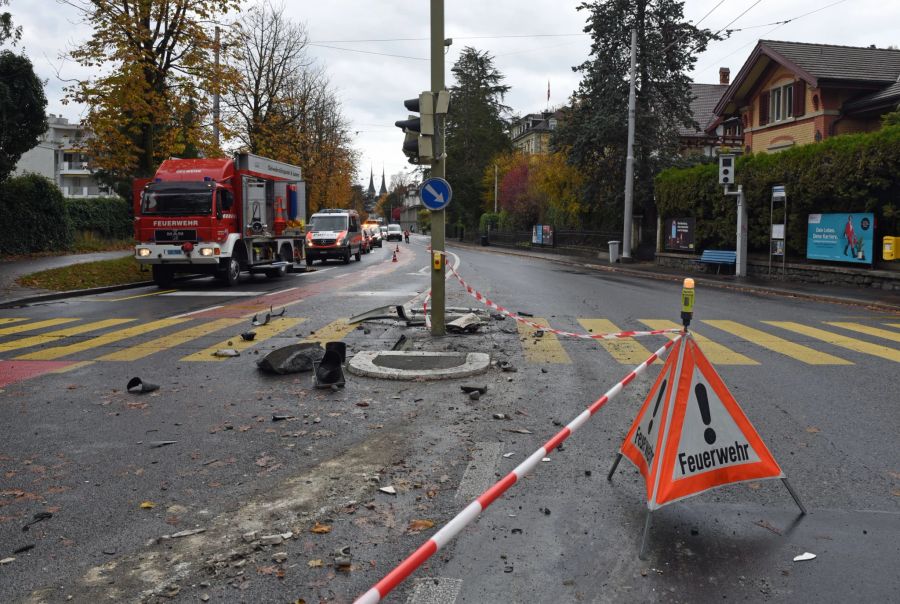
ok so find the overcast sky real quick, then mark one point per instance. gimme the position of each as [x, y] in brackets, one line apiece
[533, 42]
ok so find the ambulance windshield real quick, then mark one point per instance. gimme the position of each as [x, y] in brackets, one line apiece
[328, 223]
[177, 199]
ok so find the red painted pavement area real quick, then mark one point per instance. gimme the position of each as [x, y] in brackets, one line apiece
[16, 371]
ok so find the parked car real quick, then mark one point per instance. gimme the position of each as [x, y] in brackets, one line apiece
[377, 239]
[394, 232]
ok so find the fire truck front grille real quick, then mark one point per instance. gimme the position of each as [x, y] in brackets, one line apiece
[172, 235]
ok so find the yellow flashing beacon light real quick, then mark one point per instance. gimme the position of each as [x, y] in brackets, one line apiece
[687, 302]
[437, 259]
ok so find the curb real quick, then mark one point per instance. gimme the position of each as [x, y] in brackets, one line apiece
[74, 293]
[736, 286]
[363, 363]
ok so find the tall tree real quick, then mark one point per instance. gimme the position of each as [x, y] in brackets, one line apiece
[22, 110]
[476, 131]
[7, 30]
[156, 61]
[594, 131]
[283, 107]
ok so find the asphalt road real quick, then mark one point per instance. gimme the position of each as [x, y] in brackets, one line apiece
[816, 380]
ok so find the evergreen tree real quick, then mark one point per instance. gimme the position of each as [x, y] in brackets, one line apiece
[22, 109]
[475, 130]
[595, 129]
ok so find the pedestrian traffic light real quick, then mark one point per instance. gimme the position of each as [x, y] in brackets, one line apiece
[726, 169]
[418, 146]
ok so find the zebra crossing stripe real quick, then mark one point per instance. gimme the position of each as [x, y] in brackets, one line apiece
[140, 351]
[546, 349]
[626, 352]
[867, 329]
[334, 331]
[57, 352]
[835, 339]
[53, 336]
[715, 353]
[5, 320]
[804, 354]
[7, 331]
[263, 333]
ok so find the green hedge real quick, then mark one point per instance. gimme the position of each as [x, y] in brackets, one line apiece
[106, 217]
[32, 216]
[849, 173]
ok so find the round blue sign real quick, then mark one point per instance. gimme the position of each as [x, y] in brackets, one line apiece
[435, 193]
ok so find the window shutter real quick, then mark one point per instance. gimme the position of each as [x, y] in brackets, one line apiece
[799, 98]
[764, 108]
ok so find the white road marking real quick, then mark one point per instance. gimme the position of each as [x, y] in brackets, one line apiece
[282, 291]
[318, 270]
[479, 474]
[214, 294]
[374, 294]
[435, 590]
[196, 312]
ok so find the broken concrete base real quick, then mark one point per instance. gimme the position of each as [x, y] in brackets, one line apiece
[403, 365]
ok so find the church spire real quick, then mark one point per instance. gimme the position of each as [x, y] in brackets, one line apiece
[383, 189]
[371, 190]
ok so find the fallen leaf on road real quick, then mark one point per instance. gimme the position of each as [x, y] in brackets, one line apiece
[419, 525]
[244, 428]
[267, 570]
[315, 564]
[764, 524]
[518, 430]
[147, 505]
[813, 430]
[320, 529]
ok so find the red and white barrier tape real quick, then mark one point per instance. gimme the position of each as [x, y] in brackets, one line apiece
[585, 336]
[474, 509]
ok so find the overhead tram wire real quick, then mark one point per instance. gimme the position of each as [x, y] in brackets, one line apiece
[367, 52]
[455, 38]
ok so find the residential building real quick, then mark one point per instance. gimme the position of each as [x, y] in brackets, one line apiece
[59, 156]
[697, 141]
[795, 93]
[409, 211]
[531, 134]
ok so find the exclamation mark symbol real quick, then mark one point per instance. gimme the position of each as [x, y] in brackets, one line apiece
[703, 401]
[662, 389]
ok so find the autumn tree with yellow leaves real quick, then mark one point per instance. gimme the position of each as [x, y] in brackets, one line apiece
[283, 106]
[151, 97]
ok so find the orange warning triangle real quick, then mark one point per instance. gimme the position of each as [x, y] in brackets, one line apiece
[704, 440]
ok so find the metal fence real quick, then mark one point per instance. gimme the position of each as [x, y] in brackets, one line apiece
[566, 242]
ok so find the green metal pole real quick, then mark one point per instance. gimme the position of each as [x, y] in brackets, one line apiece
[438, 292]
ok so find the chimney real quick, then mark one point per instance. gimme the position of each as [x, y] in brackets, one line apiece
[724, 75]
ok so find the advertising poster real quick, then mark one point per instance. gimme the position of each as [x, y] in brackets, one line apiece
[537, 234]
[547, 238]
[679, 234]
[841, 237]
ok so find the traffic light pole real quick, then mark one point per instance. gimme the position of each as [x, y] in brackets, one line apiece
[438, 293]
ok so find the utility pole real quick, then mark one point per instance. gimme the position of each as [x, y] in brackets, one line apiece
[438, 291]
[495, 188]
[216, 94]
[629, 158]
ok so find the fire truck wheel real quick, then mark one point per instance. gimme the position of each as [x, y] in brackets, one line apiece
[232, 272]
[162, 276]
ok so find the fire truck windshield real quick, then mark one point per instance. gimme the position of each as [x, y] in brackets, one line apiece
[328, 223]
[177, 199]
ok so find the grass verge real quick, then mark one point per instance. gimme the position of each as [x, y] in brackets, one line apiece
[86, 275]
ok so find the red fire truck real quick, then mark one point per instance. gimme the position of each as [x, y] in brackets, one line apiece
[220, 217]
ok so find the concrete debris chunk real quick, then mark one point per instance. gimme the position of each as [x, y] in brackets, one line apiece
[469, 388]
[468, 323]
[389, 490]
[292, 359]
[474, 395]
[271, 540]
[137, 386]
[804, 557]
[507, 367]
[226, 352]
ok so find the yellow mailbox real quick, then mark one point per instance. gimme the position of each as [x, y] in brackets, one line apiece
[889, 248]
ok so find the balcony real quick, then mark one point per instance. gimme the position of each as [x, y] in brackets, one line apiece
[74, 168]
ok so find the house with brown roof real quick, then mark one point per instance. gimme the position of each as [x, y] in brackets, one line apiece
[531, 134]
[697, 141]
[794, 93]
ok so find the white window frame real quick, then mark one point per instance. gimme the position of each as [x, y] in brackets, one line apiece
[781, 103]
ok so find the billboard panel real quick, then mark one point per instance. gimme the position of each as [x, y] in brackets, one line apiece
[680, 234]
[841, 237]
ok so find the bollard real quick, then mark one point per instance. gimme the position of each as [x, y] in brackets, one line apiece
[687, 302]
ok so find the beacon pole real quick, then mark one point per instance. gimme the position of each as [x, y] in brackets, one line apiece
[687, 303]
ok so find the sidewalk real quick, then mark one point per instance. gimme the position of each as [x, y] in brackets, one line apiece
[10, 270]
[887, 300]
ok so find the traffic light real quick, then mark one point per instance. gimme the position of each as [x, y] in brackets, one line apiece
[726, 169]
[418, 145]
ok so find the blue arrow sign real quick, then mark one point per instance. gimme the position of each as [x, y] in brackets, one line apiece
[435, 193]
